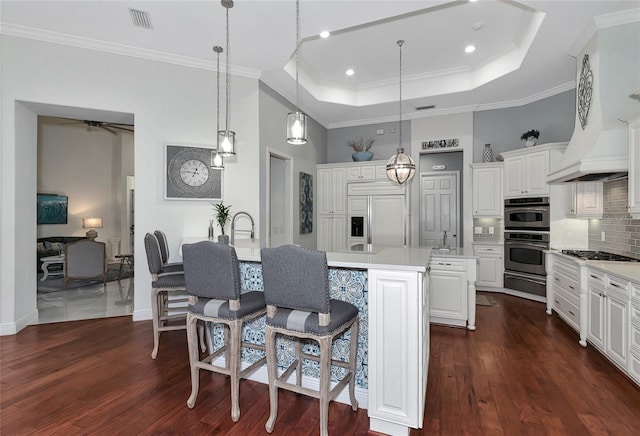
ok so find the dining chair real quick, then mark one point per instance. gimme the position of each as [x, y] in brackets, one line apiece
[85, 259]
[164, 252]
[296, 291]
[212, 276]
[168, 294]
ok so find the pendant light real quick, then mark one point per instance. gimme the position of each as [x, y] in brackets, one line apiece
[297, 121]
[226, 137]
[400, 167]
[217, 162]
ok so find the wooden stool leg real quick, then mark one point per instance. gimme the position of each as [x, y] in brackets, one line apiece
[192, 342]
[272, 370]
[155, 315]
[353, 356]
[299, 364]
[235, 333]
[325, 380]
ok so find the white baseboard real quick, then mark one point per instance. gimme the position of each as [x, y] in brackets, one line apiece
[141, 315]
[515, 293]
[11, 328]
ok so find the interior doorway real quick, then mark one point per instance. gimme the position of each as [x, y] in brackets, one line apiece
[280, 199]
[439, 208]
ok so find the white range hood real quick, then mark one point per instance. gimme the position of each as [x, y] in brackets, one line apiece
[600, 150]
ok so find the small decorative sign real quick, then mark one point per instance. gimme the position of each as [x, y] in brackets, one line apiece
[440, 143]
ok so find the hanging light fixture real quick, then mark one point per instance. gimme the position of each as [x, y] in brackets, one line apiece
[226, 137]
[400, 167]
[217, 162]
[297, 121]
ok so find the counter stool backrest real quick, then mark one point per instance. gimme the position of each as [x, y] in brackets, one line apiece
[211, 270]
[295, 278]
[164, 245]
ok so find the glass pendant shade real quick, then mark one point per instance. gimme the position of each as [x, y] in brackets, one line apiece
[227, 141]
[217, 163]
[400, 167]
[297, 128]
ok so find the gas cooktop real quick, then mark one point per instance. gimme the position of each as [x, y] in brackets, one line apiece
[598, 255]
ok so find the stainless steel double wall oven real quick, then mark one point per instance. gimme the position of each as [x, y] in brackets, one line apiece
[526, 237]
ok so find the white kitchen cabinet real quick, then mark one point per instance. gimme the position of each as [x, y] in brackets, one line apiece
[596, 315]
[617, 323]
[361, 173]
[487, 190]
[584, 200]
[398, 350]
[332, 232]
[526, 170]
[634, 167]
[453, 292]
[490, 265]
[332, 191]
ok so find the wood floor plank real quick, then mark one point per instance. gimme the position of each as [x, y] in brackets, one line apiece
[521, 372]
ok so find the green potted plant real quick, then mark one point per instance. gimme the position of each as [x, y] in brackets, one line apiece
[222, 216]
[530, 138]
[361, 148]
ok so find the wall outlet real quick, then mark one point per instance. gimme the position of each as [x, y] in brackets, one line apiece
[602, 238]
[478, 230]
[491, 231]
[392, 130]
[380, 132]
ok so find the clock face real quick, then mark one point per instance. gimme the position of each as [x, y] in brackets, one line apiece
[585, 91]
[188, 175]
[194, 172]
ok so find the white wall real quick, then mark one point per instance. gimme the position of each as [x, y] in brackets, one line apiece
[170, 103]
[443, 127]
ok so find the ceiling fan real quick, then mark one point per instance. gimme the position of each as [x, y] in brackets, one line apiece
[109, 127]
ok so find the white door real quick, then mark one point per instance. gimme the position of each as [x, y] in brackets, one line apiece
[388, 220]
[280, 231]
[439, 207]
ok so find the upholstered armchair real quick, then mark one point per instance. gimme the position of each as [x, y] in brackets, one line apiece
[85, 259]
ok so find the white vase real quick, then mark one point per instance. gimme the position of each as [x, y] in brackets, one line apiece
[531, 141]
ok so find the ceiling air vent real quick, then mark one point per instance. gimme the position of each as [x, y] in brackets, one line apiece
[422, 108]
[140, 18]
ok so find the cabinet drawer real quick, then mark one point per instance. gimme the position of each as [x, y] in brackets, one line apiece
[567, 310]
[596, 279]
[635, 292]
[619, 286]
[487, 250]
[635, 312]
[570, 297]
[635, 337]
[447, 263]
[567, 283]
[634, 366]
[570, 268]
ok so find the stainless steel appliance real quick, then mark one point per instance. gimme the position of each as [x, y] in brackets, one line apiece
[526, 237]
[599, 255]
[524, 261]
[527, 213]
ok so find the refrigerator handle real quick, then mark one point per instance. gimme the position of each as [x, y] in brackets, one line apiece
[369, 220]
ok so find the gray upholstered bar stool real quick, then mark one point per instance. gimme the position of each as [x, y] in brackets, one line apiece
[164, 283]
[212, 276]
[296, 290]
[164, 252]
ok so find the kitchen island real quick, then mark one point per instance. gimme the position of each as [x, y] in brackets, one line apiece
[390, 289]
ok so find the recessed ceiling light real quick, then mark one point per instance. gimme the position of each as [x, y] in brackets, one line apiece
[472, 1]
[324, 34]
[350, 72]
[470, 49]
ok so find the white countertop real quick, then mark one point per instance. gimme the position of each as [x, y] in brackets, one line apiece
[627, 270]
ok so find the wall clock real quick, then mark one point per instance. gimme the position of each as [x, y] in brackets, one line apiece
[189, 175]
[585, 91]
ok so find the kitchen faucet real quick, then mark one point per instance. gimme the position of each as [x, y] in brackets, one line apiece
[233, 226]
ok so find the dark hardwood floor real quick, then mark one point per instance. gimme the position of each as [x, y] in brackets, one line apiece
[522, 372]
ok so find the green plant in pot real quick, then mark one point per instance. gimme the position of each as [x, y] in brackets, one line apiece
[222, 216]
[361, 148]
[530, 137]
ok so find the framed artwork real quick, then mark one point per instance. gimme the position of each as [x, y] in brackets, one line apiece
[52, 209]
[306, 203]
[188, 174]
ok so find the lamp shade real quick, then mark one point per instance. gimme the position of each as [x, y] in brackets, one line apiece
[297, 128]
[227, 141]
[91, 223]
[400, 167]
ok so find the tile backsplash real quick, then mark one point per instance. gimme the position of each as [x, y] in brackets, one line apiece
[485, 224]
[622, 234]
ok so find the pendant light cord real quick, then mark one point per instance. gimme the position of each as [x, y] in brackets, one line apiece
[217, 49]
[228, 115]
[401, 148]
[297, 50]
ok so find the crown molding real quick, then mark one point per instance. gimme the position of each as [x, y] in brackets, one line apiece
[602, 22]
[120, 49]
[530, 99]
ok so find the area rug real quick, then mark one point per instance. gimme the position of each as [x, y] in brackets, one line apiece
[56, 283]
[485, 300]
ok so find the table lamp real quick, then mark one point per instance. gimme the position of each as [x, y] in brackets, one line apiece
[92, 224]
